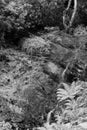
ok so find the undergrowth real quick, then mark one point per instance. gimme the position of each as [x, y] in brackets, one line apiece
[73, 114]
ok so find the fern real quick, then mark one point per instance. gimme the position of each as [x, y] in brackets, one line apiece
[75, 100]
[68, 92]
[73, 111]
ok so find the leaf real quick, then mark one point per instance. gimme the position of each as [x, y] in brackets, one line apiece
[68, 91]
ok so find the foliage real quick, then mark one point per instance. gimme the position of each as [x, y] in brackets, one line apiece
[40, 101]
[18, 18]
[75, 101]
[5, 126]
[27, 89]
[75, 111]
[80, 31]
[35, 46]
[69, 92]
[29, 93]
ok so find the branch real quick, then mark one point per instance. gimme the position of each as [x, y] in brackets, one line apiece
[65, 17]
[49, 116]
[74, 12]
[69, 3]
[65, 14]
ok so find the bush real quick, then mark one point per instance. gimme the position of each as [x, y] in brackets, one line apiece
[35, 46]
[18, 18]
[41, 97]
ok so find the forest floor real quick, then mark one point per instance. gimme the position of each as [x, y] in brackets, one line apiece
[30, 75]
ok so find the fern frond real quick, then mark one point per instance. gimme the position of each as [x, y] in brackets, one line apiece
[62, 94]
[58, 118]
[68, 91]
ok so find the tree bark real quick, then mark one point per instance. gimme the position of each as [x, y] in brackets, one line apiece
[74, 12]
[65, 17]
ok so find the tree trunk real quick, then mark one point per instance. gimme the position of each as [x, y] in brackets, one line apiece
[65, 16]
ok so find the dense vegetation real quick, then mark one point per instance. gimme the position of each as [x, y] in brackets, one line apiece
[18, 18]
[43, 67]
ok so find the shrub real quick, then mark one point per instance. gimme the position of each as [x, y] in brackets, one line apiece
[35, 46]
[18, 18]
[41, 98]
